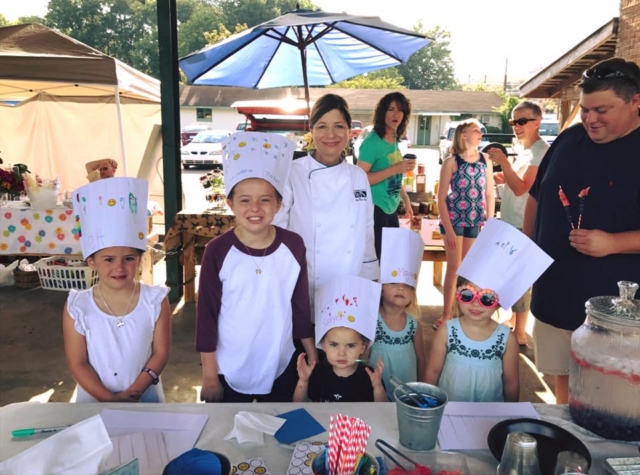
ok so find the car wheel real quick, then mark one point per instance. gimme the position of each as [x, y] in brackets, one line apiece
[185, 166]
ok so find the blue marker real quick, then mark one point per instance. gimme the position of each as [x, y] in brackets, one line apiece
[37, 431]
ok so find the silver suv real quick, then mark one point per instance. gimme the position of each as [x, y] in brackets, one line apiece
[446, 139]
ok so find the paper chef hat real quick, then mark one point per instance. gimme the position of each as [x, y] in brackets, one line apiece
[111, 212]
[348, 301]
[504, 260]
[257, 155]
[401, 256]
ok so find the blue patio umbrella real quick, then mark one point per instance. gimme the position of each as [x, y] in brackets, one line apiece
[302, 48]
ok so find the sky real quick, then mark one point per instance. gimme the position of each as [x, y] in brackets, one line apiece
[486, 36]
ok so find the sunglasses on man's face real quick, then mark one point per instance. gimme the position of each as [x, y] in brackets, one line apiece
[486, 298]
[521, 121]
[607, 73]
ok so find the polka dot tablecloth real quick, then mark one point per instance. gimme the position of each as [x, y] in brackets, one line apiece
[46, 231]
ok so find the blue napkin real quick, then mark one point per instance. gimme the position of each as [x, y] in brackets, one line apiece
[299, 425]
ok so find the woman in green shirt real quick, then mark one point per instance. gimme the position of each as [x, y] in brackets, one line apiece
[381, 159]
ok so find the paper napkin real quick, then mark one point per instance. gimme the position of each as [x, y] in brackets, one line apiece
[299, 425]
[250, 427]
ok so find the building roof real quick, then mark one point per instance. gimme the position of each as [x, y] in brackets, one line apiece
[565, 73]
[422, 102]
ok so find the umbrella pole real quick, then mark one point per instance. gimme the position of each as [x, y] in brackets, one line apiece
[122, 152]
[305, 79]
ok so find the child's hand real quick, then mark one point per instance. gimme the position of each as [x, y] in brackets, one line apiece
[129, 395]
[212, 391]
[304, 369]
[376, 375]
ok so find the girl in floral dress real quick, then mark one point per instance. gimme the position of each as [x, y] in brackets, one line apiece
[466, 188]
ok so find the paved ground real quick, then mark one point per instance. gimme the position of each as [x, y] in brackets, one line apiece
[33, 367]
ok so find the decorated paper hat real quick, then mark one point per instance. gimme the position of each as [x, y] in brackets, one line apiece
[504, 260]
[111, 213]
[257, 155]
[401, 256]
[348, 301]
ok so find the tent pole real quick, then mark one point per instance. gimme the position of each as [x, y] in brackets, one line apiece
[122, 152]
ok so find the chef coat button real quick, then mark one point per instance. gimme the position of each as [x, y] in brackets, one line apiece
[353, 225]
[319, 225]
[349, 251]
[317, 278]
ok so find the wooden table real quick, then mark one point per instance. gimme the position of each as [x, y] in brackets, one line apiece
[192, 230]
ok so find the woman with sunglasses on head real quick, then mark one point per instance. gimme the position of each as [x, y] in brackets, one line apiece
[518, 177]
[473, 358]
[466, 201]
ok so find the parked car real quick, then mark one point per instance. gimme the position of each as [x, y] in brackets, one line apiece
[204, 149]
[446, 139]
[548, 130]
[404, 144]
[191, 131]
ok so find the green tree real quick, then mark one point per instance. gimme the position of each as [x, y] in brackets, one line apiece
[432, 66]
[254, 12]
[196, 18]
[508, 103]
[3, 20]
[388, 78]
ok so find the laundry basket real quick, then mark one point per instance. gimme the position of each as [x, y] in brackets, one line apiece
[64, 273]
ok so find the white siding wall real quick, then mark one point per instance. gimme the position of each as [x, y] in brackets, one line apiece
[222, 118]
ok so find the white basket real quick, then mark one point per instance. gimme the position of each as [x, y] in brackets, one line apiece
[56, 276]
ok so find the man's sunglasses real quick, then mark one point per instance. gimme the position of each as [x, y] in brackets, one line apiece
[486, 298]
[521, 121]
[607, 73]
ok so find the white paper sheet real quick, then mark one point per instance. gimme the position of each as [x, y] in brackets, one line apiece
[180, 431]
[466, 425]
[504, 260]
[148, 447]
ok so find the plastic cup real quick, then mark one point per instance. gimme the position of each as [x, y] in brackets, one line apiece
[318, 465]
[570, 462]
[418, 427]
[520, 455]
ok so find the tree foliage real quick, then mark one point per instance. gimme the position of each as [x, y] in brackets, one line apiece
[432, 66]
[3, 20]
[388, 78]
[254, 12]
[505, 109]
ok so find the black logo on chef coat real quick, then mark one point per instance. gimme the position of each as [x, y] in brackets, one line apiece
[360, 195]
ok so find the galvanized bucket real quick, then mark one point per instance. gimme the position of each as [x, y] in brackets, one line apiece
[418, 426]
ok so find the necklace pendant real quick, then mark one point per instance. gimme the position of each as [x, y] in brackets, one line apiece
[258, 271]
[120, 323]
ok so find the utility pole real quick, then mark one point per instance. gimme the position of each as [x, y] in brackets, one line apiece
[506, 64]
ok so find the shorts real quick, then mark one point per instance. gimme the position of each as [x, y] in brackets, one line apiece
[524, 303]
[464, 231]
[552, 348]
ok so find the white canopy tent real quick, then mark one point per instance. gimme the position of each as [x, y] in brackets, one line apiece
[70, 104]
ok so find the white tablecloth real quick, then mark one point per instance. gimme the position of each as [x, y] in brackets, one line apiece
[381, 416]
[38, 231]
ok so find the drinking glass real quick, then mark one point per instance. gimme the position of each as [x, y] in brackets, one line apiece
[569, 462]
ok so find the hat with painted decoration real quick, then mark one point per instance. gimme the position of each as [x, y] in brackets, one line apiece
[505, 260]
[348, 301]
[257, 155]
[111, 213]
[401, 256]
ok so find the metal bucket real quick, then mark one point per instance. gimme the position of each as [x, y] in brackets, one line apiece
[419, 427]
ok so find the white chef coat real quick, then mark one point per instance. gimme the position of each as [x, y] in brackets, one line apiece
[331, 208]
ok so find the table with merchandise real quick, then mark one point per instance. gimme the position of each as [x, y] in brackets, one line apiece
[275, 456]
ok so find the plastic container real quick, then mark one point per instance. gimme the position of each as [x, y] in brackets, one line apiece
[437, 462]
[370, 467]
[604, 376]
[63, 273]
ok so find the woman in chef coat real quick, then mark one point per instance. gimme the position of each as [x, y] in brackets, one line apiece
[328, 201]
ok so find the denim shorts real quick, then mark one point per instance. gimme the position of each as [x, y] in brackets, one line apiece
[468, 232]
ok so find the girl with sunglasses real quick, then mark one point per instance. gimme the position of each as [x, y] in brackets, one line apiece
[473, 358]
[466, 201]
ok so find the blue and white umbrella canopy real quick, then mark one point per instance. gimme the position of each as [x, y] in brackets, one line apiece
[302, 48]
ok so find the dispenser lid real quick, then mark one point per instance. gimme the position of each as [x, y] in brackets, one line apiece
[624, 309]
